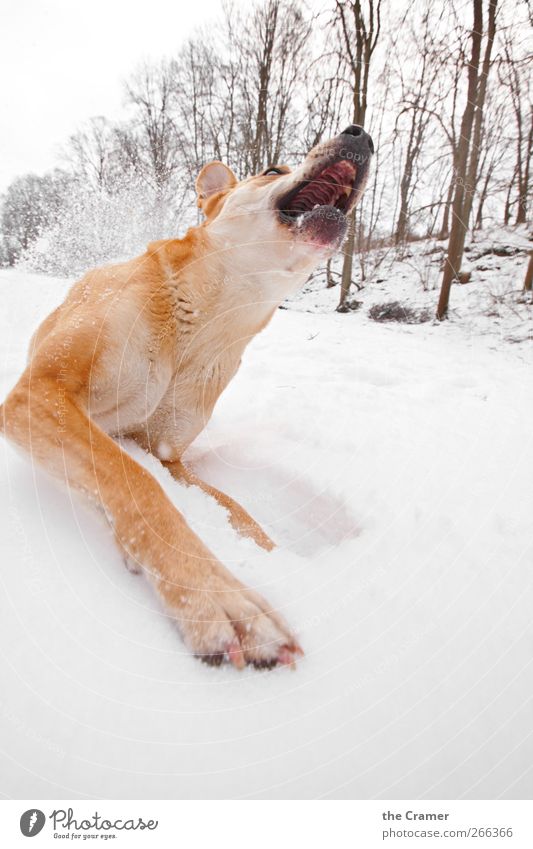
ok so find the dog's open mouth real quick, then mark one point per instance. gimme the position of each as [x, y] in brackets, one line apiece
[334, 186]
[315, 209]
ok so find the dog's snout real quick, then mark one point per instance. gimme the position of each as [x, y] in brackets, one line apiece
[353, 130]
[358, 132]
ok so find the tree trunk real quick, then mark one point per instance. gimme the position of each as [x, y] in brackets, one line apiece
[529, 274]
[405, 185]
[475, 141]
[521, 216]
[445, 227]
[349, 246]
[482, 198]
[363, 37]
[403, 215]
[265, 70]
[454, 256]
[508, 202]
[329, 276]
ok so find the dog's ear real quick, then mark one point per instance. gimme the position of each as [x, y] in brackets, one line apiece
[214, 177]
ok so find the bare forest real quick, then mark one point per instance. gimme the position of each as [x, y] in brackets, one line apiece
[444, 88]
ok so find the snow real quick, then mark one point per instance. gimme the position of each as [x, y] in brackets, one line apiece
[491, 304]
[392, 464]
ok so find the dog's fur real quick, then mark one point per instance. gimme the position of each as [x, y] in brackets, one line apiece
[144, 349]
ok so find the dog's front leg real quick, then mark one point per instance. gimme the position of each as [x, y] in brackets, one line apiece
[240, 519]
[217, 615]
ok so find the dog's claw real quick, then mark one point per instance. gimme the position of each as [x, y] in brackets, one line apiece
[265, 664]
[236, 655]
[212, 659]
[286, 656]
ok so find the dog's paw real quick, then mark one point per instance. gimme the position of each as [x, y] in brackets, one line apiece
[224, 621]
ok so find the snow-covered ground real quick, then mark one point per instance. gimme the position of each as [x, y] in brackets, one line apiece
[392, 463]
[491, 304]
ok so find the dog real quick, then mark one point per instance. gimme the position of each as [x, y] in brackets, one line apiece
[144, 348]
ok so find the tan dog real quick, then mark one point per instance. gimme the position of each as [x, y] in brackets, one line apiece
[145, 348]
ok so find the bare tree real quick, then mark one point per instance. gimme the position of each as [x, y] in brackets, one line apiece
[468, 148]
[236, 89]
[274, 67]
[327, 96]
[456, 64]
[374, 199]
[417, 100]
[30, 204]
[199, 124]
[515, 75]
[152, 143]
[358, 24]
[492, 152]
[475, 141]
[528, 281]
[92, 153]
[265, 83]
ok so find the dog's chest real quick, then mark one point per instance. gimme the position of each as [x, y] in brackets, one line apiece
[129, 384]
[178, 364]
[211, 334]
[199, 382]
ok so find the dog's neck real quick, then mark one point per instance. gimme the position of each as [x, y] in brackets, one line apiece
[217, 276]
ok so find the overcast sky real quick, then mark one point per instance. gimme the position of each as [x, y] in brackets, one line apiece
[63, 61]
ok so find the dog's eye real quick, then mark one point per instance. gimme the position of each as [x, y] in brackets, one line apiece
[270, 171]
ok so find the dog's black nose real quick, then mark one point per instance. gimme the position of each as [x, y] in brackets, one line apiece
[356, 130]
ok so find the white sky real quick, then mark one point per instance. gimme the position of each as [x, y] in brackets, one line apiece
[63, 61]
